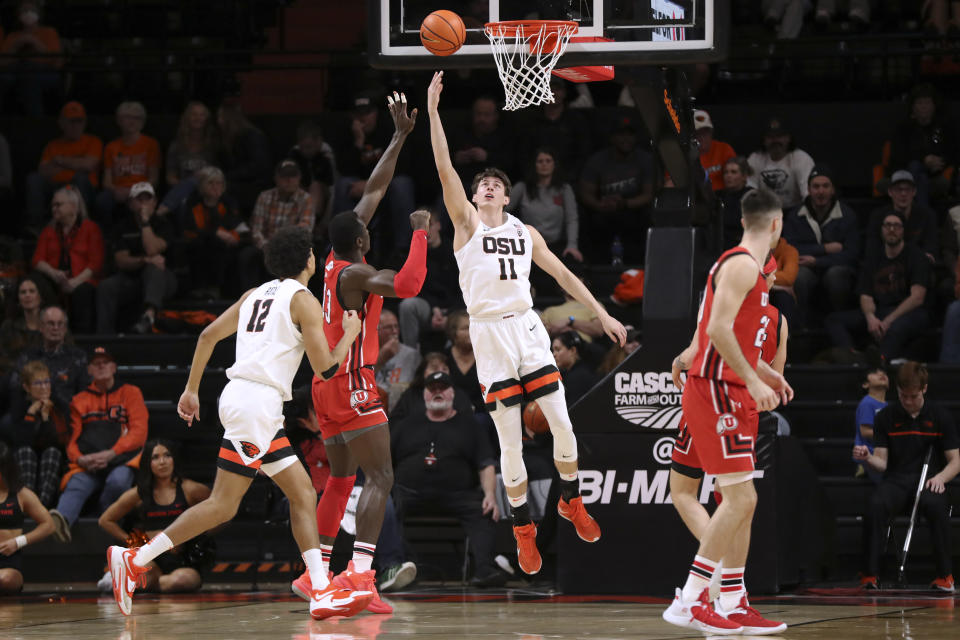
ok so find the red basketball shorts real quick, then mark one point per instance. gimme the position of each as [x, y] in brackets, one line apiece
[347, 403]
[685, 460]
[722, 424]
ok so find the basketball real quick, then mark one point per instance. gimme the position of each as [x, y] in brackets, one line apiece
[442, 32]
[534, 419]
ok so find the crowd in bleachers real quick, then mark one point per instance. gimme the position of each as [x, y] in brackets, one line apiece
[114, 232]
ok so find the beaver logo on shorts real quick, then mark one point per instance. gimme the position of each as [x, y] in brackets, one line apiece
[249, 449]
[727, 422]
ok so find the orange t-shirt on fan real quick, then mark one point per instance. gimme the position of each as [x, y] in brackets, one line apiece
[130, 164]
[713, 161]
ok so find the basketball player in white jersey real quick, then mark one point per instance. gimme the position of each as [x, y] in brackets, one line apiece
[494, 251]
[275, 323]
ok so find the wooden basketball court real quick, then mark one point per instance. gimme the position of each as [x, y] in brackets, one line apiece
[517, 614]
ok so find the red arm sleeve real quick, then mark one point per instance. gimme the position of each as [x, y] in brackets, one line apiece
[409, 279]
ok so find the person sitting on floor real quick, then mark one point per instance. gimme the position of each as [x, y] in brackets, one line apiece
[17, 500]
[160, 495]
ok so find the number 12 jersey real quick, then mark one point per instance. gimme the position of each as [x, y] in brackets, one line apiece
[269, 345]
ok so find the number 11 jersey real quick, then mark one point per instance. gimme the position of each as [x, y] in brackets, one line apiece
[269, 344]
[495, 269]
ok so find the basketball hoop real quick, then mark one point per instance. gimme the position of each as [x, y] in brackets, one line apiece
[526, 52]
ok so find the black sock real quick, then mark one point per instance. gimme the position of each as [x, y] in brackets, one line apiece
[521, 515]
[569, 489]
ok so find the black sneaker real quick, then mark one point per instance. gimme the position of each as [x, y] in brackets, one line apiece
[493, 579]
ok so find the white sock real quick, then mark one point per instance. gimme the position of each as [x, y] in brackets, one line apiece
[313, 558]
[517, 502]
[363, 556]
[569, 477]
[152, 549]
[326, 550]
[698, 579]
[731, 588]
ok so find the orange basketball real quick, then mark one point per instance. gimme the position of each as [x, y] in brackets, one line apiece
[442, 32]
[534, 419]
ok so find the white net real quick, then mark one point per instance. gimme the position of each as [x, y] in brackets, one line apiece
[525, 54]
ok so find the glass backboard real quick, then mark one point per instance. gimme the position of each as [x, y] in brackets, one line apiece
[635, 32]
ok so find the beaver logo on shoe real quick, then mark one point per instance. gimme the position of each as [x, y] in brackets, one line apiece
[249, 449]
[727, 422]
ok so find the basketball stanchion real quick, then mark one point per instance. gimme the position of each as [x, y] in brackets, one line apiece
[913, 516]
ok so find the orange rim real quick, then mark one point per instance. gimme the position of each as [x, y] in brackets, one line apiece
[510, 28]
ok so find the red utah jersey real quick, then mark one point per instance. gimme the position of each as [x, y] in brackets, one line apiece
[772, 341]
[751, 327]
[366, 347]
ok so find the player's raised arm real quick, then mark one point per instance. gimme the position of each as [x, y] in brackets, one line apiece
[405, 283]
[382, 174]
[306, 311]
[223, 327]
[738, 277]
[460, 208]
[546, 260]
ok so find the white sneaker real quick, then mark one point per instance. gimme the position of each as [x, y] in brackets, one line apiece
[677, 613]
[105, 584]
[123, 576]
[396, 578]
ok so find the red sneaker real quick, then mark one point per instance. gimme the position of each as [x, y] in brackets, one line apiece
[944, 584]
[527, 553]
[362, 581]
[574, 511]
[302, 586]
[706, 619]
[869, 582]
[750, 619]
[126, 576]
[337, 601]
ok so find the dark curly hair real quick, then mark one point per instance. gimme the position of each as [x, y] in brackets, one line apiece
[343, 230]
[288, 251]
[492, 172]
[145, 472]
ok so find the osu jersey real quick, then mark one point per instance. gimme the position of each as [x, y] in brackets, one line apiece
[751, 327]
[495, 269]
[365, 349]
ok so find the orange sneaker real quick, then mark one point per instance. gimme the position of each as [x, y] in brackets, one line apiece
[302, 586]
[869, 582]
[574, 511]
[362, 581]
[943, 584]
[126, 576]
[337, 601]
[527, 553]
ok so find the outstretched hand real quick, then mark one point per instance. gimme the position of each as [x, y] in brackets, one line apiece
[402, 122]
[614, 329]
[433, 92]
[188, 407]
